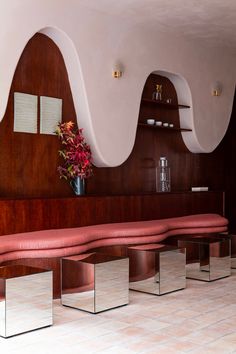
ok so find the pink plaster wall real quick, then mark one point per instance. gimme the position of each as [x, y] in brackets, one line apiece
[92, 43]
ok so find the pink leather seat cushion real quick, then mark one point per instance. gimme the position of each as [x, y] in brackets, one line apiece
[51, 239]
[196, 230]
[198, 220]
[67, 251]
[65, 242]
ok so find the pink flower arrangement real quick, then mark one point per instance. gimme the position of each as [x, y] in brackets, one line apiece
[76, 152]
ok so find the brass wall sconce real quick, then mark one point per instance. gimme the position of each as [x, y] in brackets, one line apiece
[117, 69]
[117, 74]
[217, 89]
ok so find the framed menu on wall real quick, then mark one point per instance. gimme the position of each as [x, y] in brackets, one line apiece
[25, 112]
[50, 114]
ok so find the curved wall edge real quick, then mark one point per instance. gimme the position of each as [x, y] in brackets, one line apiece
[77, 85]
[91, 43]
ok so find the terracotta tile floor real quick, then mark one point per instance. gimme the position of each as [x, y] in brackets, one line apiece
[200, 319]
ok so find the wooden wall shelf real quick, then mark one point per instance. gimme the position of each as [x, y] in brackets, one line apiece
[165, 104]
[164, 128]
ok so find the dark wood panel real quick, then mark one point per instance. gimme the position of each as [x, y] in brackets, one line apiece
[229, 147]
[38, 214]
[28, 162]
[138, 173]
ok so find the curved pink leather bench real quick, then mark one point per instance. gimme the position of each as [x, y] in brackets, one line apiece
[65, 242]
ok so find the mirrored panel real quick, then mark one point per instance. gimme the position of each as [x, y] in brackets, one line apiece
[213, 259]
[111, 284]
[95, 282]
[26, 299]
[157, 270]
[2, 307]
[78, 284]
[172, 270]
[233, 250]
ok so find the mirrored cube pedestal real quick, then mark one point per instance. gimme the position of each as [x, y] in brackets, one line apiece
[95, 282]
[157, 269]
[233, 250]
[25, 299]
[212, 257]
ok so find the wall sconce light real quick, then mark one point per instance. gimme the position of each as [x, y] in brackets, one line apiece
[217, 89]
[117, 74]
[117, 70]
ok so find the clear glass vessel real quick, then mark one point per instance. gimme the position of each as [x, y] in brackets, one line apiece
[163, 182]
[157, 95]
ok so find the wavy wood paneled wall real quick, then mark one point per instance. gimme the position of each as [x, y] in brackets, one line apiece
[28, 162]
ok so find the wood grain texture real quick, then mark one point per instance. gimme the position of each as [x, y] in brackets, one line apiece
[138, 173]
[52, 213]
[228, 146]
[28, 162]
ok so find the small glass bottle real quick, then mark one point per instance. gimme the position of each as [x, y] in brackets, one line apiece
[163, 176]
[157, 94]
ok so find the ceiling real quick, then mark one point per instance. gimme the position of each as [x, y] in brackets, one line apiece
[211, 20]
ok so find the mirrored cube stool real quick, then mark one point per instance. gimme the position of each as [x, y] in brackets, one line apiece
[25, 299]
[212, 256]
[232, 238]
[95, 282]
[233, 250]
[157, 269]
